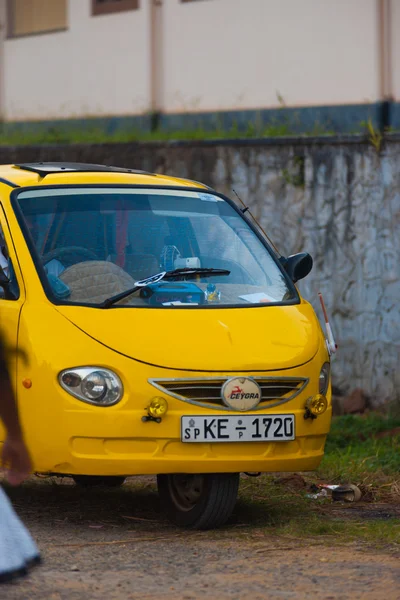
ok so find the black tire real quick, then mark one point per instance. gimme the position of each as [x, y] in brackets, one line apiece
[198, 501]
[97, 480]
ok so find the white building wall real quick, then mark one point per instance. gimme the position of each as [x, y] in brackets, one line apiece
[99, 67]
[212, 55]
[239, 54]
[2, 35]
[395, 47]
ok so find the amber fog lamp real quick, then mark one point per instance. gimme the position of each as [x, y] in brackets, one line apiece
[317, 405]
[157, 407]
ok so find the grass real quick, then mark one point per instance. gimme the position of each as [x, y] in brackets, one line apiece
[264, 507]
[279, 506]
[88, 134]
[32, 134]
[354, 453]
[270, 508]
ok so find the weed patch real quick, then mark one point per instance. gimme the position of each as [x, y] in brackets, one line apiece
[92, 134]
[358, 451]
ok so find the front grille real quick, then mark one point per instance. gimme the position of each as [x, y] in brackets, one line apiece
[208, 392]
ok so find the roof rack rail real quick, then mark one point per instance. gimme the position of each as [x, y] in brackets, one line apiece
[50, 168]
[7, 182]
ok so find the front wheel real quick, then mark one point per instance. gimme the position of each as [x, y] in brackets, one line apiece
[198, 501]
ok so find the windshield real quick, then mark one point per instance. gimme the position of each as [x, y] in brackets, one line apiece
[92, 244]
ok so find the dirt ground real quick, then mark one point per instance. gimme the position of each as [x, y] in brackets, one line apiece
[115, 544]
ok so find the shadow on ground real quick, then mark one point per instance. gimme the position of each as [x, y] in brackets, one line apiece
[56, 501]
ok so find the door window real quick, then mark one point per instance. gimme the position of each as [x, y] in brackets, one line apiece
[7, 267]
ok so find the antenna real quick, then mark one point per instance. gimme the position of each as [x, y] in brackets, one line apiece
[247, 209]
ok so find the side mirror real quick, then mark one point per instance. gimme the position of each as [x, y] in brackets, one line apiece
[298, 266]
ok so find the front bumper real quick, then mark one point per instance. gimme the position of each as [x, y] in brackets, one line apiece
[67, 436]
[153, 454]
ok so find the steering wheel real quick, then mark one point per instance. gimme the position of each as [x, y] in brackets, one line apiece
[70, 255]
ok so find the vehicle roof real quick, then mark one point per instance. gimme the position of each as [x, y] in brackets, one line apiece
[61, 173]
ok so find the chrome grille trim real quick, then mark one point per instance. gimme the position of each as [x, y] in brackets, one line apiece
[295, 385]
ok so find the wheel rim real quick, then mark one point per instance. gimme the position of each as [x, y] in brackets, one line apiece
[186, 490]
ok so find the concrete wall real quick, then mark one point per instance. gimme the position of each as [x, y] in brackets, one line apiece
[339, 201]
[99, 66]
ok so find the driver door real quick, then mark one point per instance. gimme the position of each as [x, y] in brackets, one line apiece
[10, 303]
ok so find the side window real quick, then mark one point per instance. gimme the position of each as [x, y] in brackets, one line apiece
[4, 257]
[7, 267]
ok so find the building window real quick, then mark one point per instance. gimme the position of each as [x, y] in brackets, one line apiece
[28, 17]
[103, 7]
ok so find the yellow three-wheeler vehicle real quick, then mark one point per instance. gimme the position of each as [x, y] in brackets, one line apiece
[160, 334]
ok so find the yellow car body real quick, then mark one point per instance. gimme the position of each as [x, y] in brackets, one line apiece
[147, 350]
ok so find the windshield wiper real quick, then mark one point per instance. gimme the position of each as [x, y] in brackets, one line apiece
[176, 274]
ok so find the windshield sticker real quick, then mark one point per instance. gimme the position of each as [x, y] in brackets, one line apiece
[257, 298]
[105, 191]
[179, 303]
[209, 198]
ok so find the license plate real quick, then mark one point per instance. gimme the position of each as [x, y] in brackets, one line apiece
[241, 428]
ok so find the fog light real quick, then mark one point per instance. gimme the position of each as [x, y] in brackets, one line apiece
[317, 405]
[157, 407]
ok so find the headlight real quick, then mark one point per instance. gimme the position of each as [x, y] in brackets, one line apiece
[324, 378]
[93, 385]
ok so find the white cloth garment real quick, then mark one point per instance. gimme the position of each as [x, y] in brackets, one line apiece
[4, 264]
[18, 551]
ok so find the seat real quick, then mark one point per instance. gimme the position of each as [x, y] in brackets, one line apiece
[96, 280]
[139, 266]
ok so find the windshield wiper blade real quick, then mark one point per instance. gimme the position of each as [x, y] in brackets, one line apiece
[177, 273]
[194, 272]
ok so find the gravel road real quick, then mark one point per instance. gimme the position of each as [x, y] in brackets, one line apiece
[114, 544]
